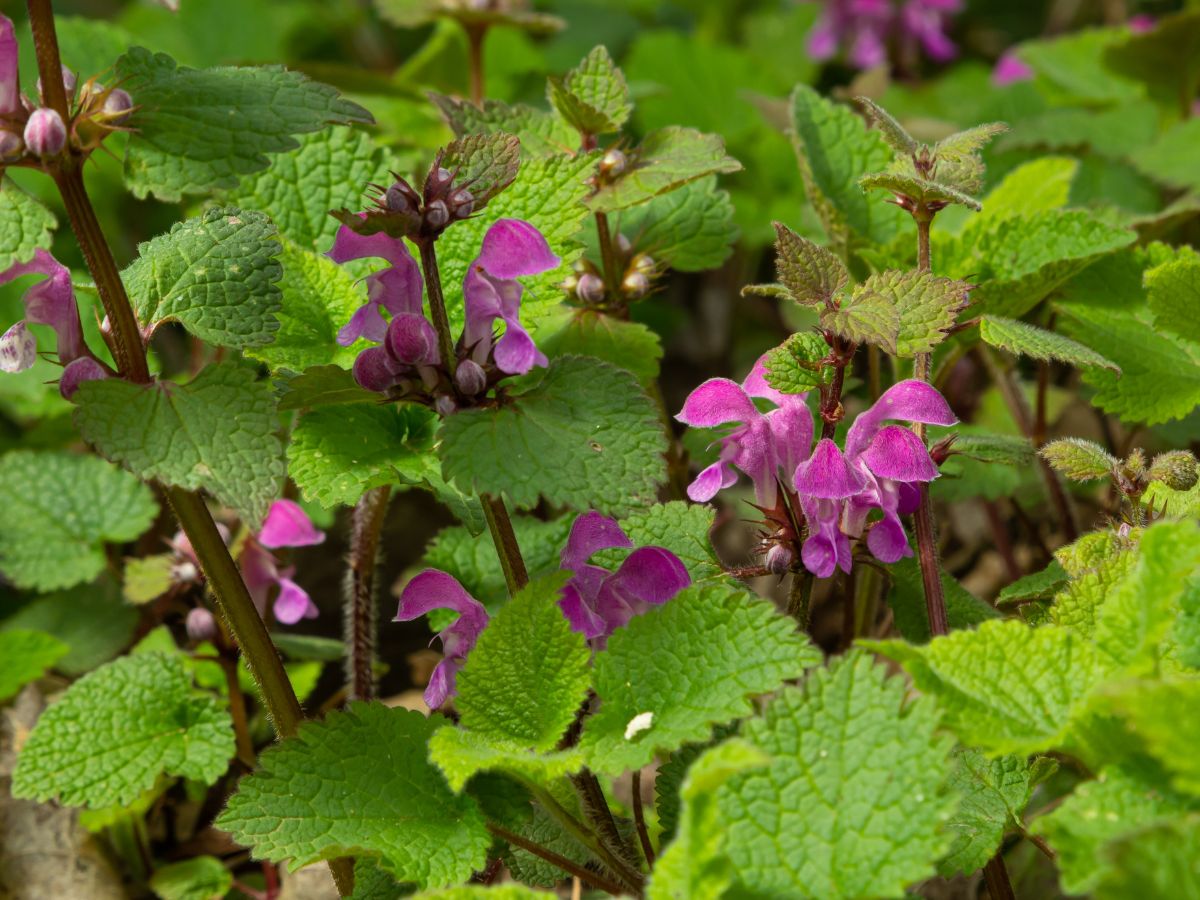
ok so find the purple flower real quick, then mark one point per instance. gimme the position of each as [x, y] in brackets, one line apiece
[511, 249]
[597, 602]
[864, 28]
[49, 302]
[286, 525]
[1141, 23]
[77, 372]
[45, 132]
[765, 446]
[432, 590]
[925, 21]
[396, 288]
[1010, 69]
[10, 84]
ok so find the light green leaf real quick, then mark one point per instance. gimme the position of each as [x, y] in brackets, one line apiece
[116, 730]
[338, 453]
[328, 170]
[1157, 861]
[689, 229]
[1036, 586]
[855, 765]
[542, 133]
[663, 681]
[1114, 132]
[593, 97]
[486, 162]
[1043, 184]
[865, 316]
[925, 303]
[1023, 339]
[811, 274]
[322, 386]
[146, 578]
[585, 435]
[665, 159]
[198, 878]
[216, 432]
[479, 892]
[893, 132]
[25, 225]
[1162, 714]
[1073, 65]
[907, 600]
[795, 366]
[1173, 292]
[1170, 159]
[183, 119]
[62, 509]
[627, 345]
[677, 526]
[1079, 460]
[993, 795]
[958, 162]
[462, 754]
[918, 190]
[26, 656]
[993, 448]
[215, 274]
[358, 783]
[1004, 687]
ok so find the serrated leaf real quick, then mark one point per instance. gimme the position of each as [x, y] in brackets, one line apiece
[1173, 292]
[1039, 185]
[411, 13]
[795, 367]
[322, 386]
[925, 303]
[1115, 132]
[146, 578]
[1073, 64]
[479, 892]
[627, 345]
[993, 795]
[1035, 586]
[1170, 158]
[1079, 460]
[216, 432]
[893, 132]
[683, 528]
[811, 274]
[689, 229]
[461, 755]
[665, 159]
[329, 169]
[854, 764]
[338, 453]
[183, 118]
[1023, 339]
[62, 509]
[359, 783]
[215, 274]
[593, 97]
[25, 225]
[116, 730]
[654, 664]
[993, 448]
[1162, 715]
[585, 436]
[865, 317]
[198, 878]
[1046, 674]
[919, 190]
[26, 656]
[542, 133]
[1156, 861]
[1117, 803]
[548, 833]
[485, 164]
[1162, 57]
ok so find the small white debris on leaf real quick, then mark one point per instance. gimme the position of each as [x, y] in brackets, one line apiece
[639, 723]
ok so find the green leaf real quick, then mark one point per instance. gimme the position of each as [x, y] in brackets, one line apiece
[308, 646]
[593, 98]
[26, 656]
[585, 436]
[918, 190]
[836, 149]
[865, 316]
[198, 878]
[62, 509]
[1043, 184]
[663, 681]
[1046, 674]
[683, 528]
[1073, 64]
[925, 303]
[665, 160]
[907, 600]
[1117, 803]
[181, 127]
[545, 831]
[1114, 132]
[358, 783]
[479, 892]
[1157, 861]
[461, 755]
[25, 225]
[329, 169]
[1162, 715]
[216, 432]
[322, 386]
[542, 133]
[484, 163]
[795, 366]
[812, 275]
[146, 578]
[1036, 586]
[695, 865]
[1079, 460]
[627, 345]
[338, 453]
[1170, 158]
[993, 448]
[689, 229]
[1173, 292]
[958, 162]
[893, 132]
[1023, 339]
[117, 729]
[214, 274]
[993, 795]
[1163, 57]
[854, 764]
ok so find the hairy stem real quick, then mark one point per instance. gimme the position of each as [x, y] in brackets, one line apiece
[437, 304]
[475, 38]
[237, 711]
[595, 809]
[800, 598]
[630, 876]
[608, 258]
[500, 525]
[639, 819]
[995, 875]
[555, 859]
[831, 396]
[360, 625]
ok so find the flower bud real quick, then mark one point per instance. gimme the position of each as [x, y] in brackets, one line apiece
[779, 559]
[470, 378]
[200, 624]
[623, 243]
[612, 163]
[644, 263]
[401, 198]
[437, 214]
[582, 266]
[569, 284]
[445, 406]
[590, 288]
[462, 202]
[411, 340]
[45, 133]
[1176, 469]
[635, 285]
[375, 370]
[77, 372]
[18, 349]
[11, 145]
[437, 183]
[117, 106]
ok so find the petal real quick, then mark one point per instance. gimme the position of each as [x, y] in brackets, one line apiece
[898, 454]
[375, 370]
[411, 340]
[516, 353]
[792, 432]
[578, 614]
[825, 474]
[441, 682]
[755, 383]
[711, 480]
[1010, 69]
[819, 555]
[76, 373]
[512, 248]
[481, 304]
[18, 349]
[10, 86]
[912, 400]
[398, 288]
[259, 572]
[754, 454]
[650, 574]
[200, 624]
[51, 302]
[717, 401]
[293, 603]
[349, 244]
[887, 540]
[288, 525]
[909, 500]
[365, 323]
[432, 589]
[591, 533]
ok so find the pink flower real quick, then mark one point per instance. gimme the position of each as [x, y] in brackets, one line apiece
[286, 525]
[1010, 69]
[396, 288]
[10, 83]
[432, 590]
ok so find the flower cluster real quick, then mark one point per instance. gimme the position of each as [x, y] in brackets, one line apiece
[835, 489]
[864, 29]
[595, 601]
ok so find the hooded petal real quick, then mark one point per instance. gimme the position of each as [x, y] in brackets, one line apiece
[77, 372]
[898, 454]
[433, 589]
[912, 400]
[910, 499]
[516, 353]
[349, 244]
[512, 248]
[375, 370]
[754, 454]
[825, 474]
[579, 614]
[653, 575]
[10, 86]
[591, 532]
[397, 288]
[288, 525]
[51, 302]
[711, 480]
[792, 432]
[411, 340]
[441, 682]
[826, 548]
[717, 401]
[293, 603]
[755, 383]
[18, 349]
[366, 322]
[481, 304]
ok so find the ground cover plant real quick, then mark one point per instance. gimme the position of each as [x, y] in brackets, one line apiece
[684, 450]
